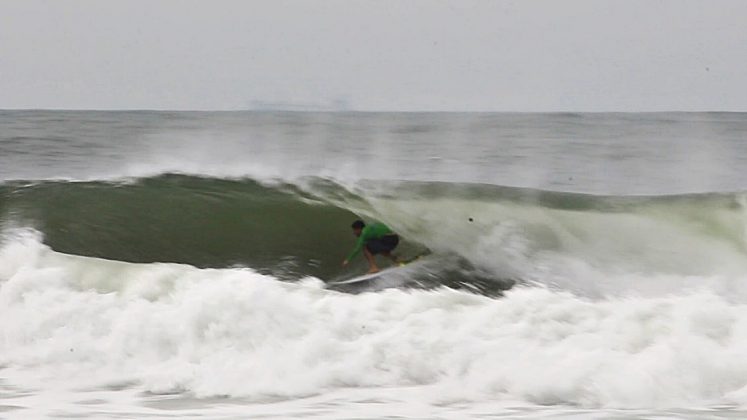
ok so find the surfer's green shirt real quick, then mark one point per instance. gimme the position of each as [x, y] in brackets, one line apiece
[372, 231]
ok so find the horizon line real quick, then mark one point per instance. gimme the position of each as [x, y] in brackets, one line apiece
[374, 111]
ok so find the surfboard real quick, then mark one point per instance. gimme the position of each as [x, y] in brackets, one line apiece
[373, 276]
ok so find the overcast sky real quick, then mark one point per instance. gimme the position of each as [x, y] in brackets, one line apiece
[523, 55]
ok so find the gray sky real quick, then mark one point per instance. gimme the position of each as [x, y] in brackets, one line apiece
[523, 55]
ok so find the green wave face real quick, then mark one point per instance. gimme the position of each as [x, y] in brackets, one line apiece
[199, 221]
[479, 234]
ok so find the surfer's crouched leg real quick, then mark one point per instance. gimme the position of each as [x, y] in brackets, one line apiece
[372, 267]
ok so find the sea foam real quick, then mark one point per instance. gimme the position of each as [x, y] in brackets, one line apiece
[85, 323]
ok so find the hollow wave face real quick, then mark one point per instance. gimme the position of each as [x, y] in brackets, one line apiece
[480, 236]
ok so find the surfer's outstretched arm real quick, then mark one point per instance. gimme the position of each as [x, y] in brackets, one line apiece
[359, 245]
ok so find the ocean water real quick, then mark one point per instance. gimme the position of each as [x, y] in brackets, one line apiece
[176, 265]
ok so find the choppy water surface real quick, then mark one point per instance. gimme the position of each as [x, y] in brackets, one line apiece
[176, 265]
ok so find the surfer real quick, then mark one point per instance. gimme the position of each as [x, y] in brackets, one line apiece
[373, 239]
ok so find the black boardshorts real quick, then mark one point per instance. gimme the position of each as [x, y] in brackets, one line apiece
[382, 245]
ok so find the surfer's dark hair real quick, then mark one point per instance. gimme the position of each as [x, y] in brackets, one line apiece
[358, 224]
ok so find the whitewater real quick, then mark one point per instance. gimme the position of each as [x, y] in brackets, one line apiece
[157, 264]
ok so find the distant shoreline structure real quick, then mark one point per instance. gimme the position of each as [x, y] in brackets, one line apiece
[336, 105]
